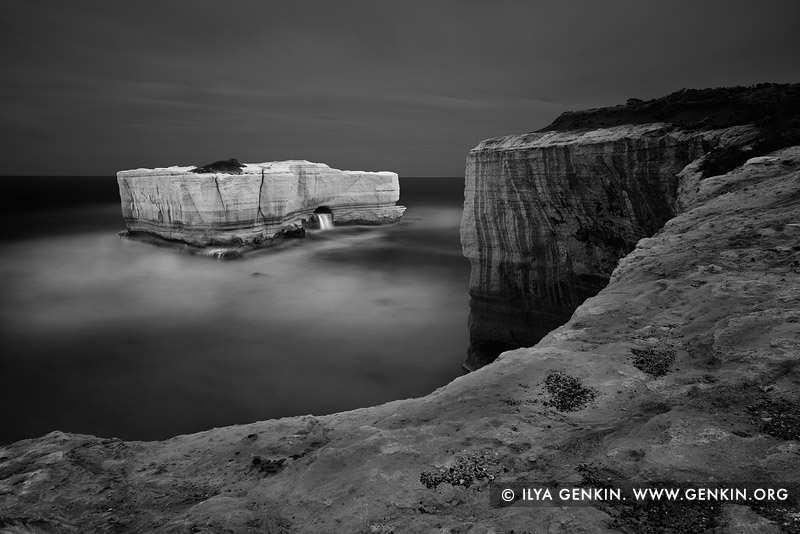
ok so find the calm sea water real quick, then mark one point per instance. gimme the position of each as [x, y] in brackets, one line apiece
[118, 338]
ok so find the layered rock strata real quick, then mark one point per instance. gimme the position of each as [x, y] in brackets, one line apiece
[251, 208]
[548, 215]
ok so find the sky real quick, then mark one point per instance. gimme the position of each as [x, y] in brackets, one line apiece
[93, 87]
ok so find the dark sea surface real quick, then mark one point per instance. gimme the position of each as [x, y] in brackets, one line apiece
[117, 338]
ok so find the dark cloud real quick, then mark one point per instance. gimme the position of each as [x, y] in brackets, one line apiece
[90, 87]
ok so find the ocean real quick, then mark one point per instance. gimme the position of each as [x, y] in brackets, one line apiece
[117, 338]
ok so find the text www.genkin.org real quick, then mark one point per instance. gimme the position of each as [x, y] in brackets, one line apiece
[508, 494]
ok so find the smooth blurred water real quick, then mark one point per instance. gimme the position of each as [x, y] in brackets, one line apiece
[119, 338]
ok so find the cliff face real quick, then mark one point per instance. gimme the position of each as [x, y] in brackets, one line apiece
[548, 215]
[251, 208]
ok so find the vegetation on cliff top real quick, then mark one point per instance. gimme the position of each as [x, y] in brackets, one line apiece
[721, 107]
[773, 108]
[230, 166]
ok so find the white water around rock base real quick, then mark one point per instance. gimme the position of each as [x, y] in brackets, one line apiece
[119, 338]
[325, 221]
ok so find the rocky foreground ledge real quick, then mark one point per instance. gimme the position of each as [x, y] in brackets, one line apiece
[241, 206]
[683, 370]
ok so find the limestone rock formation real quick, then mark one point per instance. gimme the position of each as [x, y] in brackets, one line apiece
[547, 216]
[253, 206]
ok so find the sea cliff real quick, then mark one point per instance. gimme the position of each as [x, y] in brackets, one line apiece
[253, 205]
[547, 216]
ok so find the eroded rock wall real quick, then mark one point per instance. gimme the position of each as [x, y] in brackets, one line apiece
[251, 208]
[548, 215]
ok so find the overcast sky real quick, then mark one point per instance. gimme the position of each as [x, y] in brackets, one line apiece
[92, 87]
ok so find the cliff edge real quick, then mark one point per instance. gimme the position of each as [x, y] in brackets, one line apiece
[547, 215]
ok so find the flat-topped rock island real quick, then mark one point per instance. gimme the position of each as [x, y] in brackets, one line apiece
[240, 206]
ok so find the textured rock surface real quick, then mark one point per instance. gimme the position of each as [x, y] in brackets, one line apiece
[717, 286]
[548, 215]
[251, 208]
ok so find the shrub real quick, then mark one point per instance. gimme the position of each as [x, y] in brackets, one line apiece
[567, 393]
[655, 362]
[464, 472]
[230, 166]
